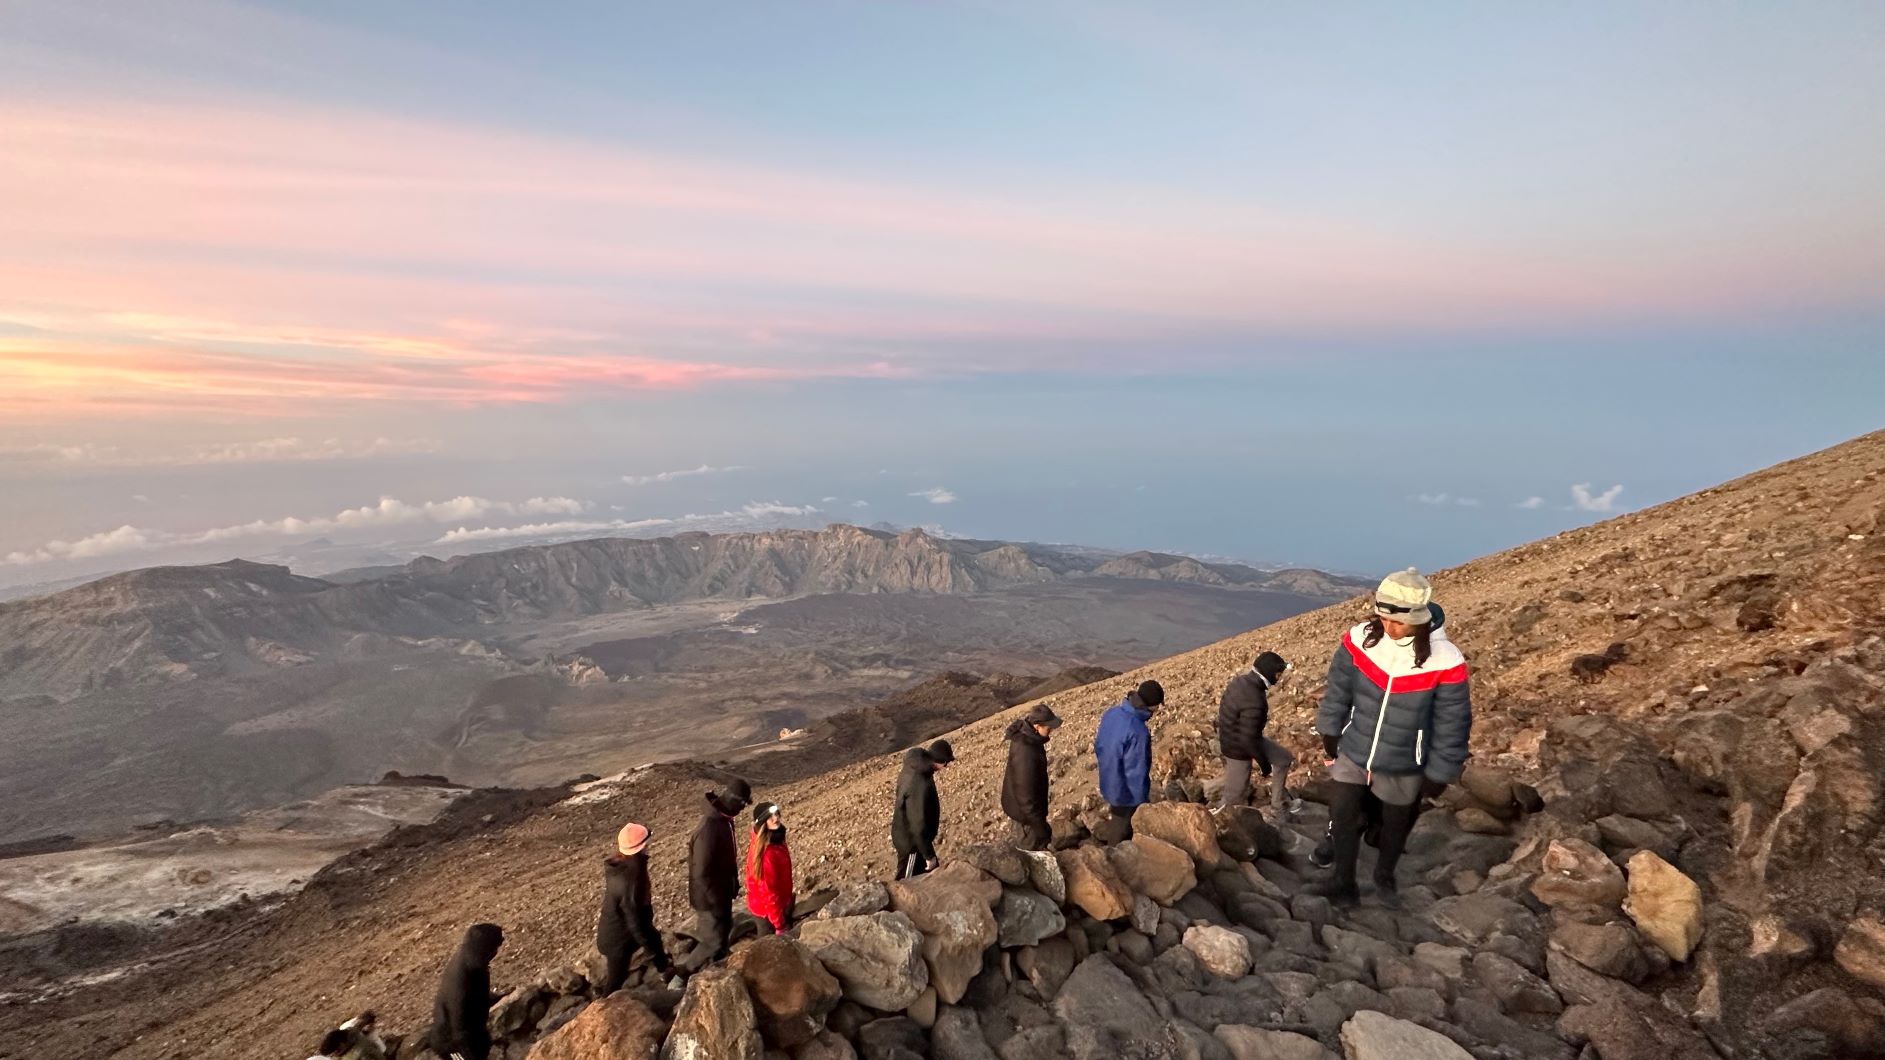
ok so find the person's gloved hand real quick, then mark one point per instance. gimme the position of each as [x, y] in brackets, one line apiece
[1432, 789]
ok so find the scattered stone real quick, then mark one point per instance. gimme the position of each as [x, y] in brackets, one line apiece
[861, 899]
[1253, 1043]
[1378, 1036]
[1185, 825]
[1154, 868]
[1476, 918]
[953, 908]
[877, 957]
[1576, 873]
[1861, 950]
[1145, 916]
[1623, 834]
[1466, 881]
[716, 1019]
[1517, 989]
[1196, 1043]
[829, 1046]
[1093, 885]
[1312, 909]
[1416, 1004]
[1484, 1021]
[1449, 961]
[792, 992]
[1354, 948]
[1224, 952]
[617, 1027]
[1666, 905]
[517, 1012]
[1026, 916]
[1404, 973]
[1776, 940]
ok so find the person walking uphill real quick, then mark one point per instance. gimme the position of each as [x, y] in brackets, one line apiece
[1242, 716]
[713, 875]
[1395, 722]
[461, 1014]
[1124, 750]
[917, 819]
[1024, 782]
[627, 923]
[769, 892]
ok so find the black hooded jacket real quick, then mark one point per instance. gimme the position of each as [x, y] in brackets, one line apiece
[918, 816]
[461, 1014]
[1241, 717]
[1024, 783]
[628, 915]
[713, 860]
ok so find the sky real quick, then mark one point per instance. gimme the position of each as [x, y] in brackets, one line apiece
[1359, 287]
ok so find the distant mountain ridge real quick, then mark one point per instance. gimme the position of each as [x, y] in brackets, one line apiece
[177, 623]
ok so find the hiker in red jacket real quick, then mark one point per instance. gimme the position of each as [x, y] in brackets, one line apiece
[769, 869]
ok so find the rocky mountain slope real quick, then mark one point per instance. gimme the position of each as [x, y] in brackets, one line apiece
[1738, 741]
[178, 623]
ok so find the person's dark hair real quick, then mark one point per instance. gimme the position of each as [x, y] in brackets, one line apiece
[1423, 639]
[335, 1042]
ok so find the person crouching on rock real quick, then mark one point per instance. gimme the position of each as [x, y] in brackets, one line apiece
[713, 875]
[627, 923]
[917, 819]
[769, 869]
[461, 1014]
[1242, 716]
[357, 1039]
[1124, 750]
[1024, 783]
[1395, 721]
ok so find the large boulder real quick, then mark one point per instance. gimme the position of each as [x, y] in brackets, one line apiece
[1608, 949]
[1245, 835]
[1154, 868]
[1093, 885]
[954, 909]
[1861, 950]
[877, 957]
[827, 1046]
[1026, 916]
[859, 899]
[1223, 951]
[792, 992]
[957, 1035]
[1047, 965]
[1188, 826]
[716, 1020]
[1518, 990]
[1000, 860]
[617, 1027]
[1255, 1043]
[1370, 1035]
[1577, 873]
[1665, 903]
[1855, 1025]
[1106, 1018]
[895, 1038]
[1044, 874]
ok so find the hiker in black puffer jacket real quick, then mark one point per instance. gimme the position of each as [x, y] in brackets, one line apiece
[1024, 783]
[1395, 723]
[713, 874]
[627, 923]
[1242, 716]
[461, 1014]
[916, 820]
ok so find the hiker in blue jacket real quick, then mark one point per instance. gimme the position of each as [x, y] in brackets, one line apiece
[1124, 749]
[1395, 723]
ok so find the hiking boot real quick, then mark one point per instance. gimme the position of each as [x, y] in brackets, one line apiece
[1292, 806]
[1388, 891]
[1338, 892]
[1323, 856]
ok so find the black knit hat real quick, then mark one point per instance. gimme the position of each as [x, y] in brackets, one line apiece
[1042, 714]
[736, 795]
[941, 752]
[763, 811]
[1151, 693]
[1270, 665]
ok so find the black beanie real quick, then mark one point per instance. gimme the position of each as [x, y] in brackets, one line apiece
[1270, 665]
[1152, 693]
[941, 752]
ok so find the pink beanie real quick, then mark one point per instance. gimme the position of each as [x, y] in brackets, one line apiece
[632, 838]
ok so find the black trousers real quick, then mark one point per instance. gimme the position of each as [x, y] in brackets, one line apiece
[905, 855]
[1349, 813]
[712, 930]
[1032, 833]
